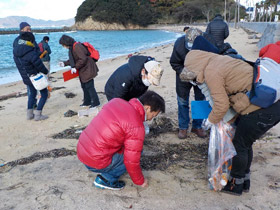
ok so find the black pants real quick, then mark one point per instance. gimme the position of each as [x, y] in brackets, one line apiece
[90, 95]
[250, 128]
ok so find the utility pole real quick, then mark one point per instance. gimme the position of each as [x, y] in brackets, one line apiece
[235, 14]
[238, 17]
[225, 15]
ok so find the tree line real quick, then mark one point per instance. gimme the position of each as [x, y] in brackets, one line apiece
[145, 12]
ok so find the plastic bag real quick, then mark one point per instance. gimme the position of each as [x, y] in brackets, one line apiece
[220, 153]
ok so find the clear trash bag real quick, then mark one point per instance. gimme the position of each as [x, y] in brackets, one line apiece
[220, 153]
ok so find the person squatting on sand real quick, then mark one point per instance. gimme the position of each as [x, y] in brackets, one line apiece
[227, 80]
[113, 141]
[80, 60]
[28, 62]
[132, 79]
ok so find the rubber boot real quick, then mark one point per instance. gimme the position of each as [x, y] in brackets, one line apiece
[30, 114]
[38, 115]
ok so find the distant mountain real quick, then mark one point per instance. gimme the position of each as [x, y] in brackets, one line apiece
[14, 21]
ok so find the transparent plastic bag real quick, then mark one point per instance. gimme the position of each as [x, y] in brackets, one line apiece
[220, 153]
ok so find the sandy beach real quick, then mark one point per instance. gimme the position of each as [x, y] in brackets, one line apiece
[44, 172]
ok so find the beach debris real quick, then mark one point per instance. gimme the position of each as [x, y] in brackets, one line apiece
[70, 113]
[55, 153]
[87, 112]
[2, 107]
[69, 133]
[14, 186]
[161, 125]
[12, 95]
[58, 88]
[69, 95]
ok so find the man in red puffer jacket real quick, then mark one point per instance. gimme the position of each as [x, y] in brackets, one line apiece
[271, 51]
[113, 141]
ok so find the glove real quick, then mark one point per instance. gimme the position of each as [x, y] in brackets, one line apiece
[61, 64]
[206, 124]
[73, 70]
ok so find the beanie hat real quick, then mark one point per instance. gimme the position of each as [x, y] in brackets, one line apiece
[154, 72]
[22, 25]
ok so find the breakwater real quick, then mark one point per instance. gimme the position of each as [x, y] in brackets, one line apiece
[36, 30]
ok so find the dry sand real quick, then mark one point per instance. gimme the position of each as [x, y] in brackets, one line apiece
[177, 169]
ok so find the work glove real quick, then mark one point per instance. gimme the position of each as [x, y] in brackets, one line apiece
[61, 64]
[73, 70]
[206, 124]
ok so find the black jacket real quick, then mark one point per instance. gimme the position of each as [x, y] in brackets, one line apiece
[27, 59]
[126, 81]
[218, 29]
[177, 62]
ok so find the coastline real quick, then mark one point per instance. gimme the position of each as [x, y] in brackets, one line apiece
[64, 183]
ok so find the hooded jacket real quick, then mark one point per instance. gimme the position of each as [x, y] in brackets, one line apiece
[218, 29]
[26, 57]
[46, 47]
[227, 78]
[271, 51]
[118, 128]
[85, 65]
[126, 81]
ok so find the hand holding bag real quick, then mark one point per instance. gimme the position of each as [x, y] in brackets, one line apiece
[39, 81]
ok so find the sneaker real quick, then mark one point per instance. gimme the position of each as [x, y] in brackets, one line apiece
[246, 185]
[94, 106]
[233, 188]
[84, 105]
[199, 132]
[102, 183]
[183, 133]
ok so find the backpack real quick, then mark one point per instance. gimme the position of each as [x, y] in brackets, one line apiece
[41, 47]
[93, 53]
[266, 83]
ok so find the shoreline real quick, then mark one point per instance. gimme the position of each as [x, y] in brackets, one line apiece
[178, 168]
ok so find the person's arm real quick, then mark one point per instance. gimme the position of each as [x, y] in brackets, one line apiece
[81, 55]
[226, 31]
[178, 56]
[133, 146]
[37, 63]
[263, 50]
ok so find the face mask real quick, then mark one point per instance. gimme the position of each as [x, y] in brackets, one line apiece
[146, 82]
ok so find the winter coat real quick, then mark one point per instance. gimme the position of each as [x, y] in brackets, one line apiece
[177, 62]
[218, 29]
[27, 60]
[126, 81]
[227, 78]
[46, 47]
[85, 65]
[118, 128]
[271, 51]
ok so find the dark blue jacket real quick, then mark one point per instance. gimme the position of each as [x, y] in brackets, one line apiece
[27, 60]
[218, 29]
[126, 81]
[46, 47]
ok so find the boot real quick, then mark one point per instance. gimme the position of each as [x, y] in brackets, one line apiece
[38, 115]
[30, 114]
[183, 133]
[234, 187]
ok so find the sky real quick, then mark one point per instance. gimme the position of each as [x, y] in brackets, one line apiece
[40, 9]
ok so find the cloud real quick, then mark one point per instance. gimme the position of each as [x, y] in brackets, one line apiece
[40, 9]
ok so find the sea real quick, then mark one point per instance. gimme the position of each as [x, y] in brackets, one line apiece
[110, 44]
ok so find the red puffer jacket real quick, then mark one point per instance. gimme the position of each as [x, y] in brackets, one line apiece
[271, 51]
[117, 128]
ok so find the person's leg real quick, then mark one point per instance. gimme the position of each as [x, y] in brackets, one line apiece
[94, 100]
[38, 113]
[86, 100]
[250, 127]
[31, 93]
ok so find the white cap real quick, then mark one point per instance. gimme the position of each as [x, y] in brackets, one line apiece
[154, 72]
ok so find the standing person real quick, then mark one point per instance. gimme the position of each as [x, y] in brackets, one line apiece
[271, 51]
[113, 141]
[80, 61]
[46, 51]
[218, 29]
[27, 60]
[132, 79]
[228, 80]
[181, 47]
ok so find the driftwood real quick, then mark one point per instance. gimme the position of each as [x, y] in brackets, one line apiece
[12, 95]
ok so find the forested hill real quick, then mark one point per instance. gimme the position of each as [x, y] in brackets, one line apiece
[145, 12]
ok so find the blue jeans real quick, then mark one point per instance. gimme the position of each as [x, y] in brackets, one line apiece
[183, 108]
[112, 172]
[32, 93]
